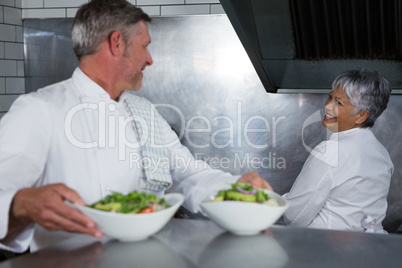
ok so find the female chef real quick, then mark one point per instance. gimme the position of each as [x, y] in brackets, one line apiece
[345, 181]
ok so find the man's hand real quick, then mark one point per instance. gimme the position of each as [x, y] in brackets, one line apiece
[254, 179]
[45, 206]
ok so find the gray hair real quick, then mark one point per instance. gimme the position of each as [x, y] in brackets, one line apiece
[367, 90]
[98, 19]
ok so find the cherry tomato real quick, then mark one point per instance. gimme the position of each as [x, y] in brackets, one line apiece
[146, 210]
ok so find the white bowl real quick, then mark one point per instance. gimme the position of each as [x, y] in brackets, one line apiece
[245, 218]
[133, 227]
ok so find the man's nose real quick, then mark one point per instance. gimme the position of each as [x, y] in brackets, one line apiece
[149, 58]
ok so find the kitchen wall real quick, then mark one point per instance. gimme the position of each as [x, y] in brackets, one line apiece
[67, 9]
[13, 12]
[12, 82]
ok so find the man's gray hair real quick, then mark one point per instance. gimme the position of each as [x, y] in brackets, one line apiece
[367, 90]
[98, 19]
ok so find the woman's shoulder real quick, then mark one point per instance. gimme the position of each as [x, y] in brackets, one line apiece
[363, 145]
[346, 145]
[361, 139]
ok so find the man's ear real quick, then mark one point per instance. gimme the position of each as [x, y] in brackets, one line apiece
[116, 43]
[363, 115]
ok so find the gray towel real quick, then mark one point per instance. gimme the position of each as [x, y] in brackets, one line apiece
[147, 123]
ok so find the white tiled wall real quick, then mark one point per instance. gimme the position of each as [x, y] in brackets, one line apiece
[12, 82]
[12, 12]
[68, 8]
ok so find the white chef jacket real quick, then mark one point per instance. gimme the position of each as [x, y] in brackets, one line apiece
[73, 133]
[344, 182]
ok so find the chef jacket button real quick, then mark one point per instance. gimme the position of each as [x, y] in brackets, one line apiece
[112, 107]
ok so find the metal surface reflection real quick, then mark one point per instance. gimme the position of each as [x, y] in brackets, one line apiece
[244, 251]
[85, 252]
[83, 255]
[147, 253]
[209, 92]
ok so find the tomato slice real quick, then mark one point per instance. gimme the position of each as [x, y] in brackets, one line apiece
[146, 210]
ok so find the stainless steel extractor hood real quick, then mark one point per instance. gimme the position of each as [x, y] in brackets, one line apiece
[304, 44]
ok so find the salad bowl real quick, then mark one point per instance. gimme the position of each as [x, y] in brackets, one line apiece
[133, 227]
[245, 218]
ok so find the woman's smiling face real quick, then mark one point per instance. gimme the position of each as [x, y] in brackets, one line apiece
[338, 112]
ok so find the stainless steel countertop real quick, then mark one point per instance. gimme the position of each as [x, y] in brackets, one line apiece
[200, 243]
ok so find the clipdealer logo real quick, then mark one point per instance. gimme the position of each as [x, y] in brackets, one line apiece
[111, 128]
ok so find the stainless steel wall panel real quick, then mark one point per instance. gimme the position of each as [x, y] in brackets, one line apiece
[49, 57]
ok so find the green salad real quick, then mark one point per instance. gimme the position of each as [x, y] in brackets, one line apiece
[132, 203]
[244, 192]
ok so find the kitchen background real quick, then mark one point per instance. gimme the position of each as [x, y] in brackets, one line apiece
[204, 81]
[13, 12]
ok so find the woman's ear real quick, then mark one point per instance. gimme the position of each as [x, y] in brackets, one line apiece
[363, 115]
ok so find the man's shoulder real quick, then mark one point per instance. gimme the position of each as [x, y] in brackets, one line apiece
[56, 95]
[56, 90]
[46, 99]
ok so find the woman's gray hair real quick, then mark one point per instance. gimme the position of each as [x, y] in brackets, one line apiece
[98, 19]
[367, 90]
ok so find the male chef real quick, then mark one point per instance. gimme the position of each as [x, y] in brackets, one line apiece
[74, 141]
